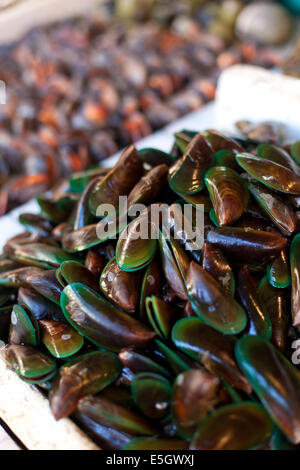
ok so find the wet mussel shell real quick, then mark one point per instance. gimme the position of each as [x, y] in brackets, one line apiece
[100, 322]
[85, 375]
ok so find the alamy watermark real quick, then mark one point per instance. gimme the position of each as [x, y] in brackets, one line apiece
[183, 222]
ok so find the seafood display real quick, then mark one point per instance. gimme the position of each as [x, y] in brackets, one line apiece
[157, 342]
[80, 90]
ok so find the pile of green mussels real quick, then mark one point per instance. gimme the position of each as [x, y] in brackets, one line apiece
[147, 344]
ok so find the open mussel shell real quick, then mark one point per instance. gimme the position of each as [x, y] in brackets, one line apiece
[215, 263]
[151, 443]
[160, 315]
[99, 321]
[247, 246]
[212, 303]
[295, 272]
[280, 213]
[271, 174]
[275, 381]
[73, 271]
[278, 271]
[137, 363]
[60, 339]
[118, 182]
[83, 216]
[151, 285]
[136, 250]
[175, 263]
[187, 175]
[277, 155]
[259, 322]
[113, 415]
[152, 394]
[195, 394]
[241, 426]
[85, 375]
[23, 326]
[30, 364]
[278, 307]
[42, 255]
[121, 287]
[228, 193]
[210, 347]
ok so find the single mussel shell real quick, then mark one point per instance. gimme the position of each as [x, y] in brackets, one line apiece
[42, 255]
[107, 438]
[215, 263]
[228, 193]
[118, 182]
[154, 157]
[31, 365]
[40, 306]
[42, 281]
[187, 175]
[277, 304]
[195, 394]
[271, 174]
[210, 347]
[242, 426]
[57, 210]
[151, 285]
[295, 151]
[136, 249]
[259, 322]
[115, 416]
[245, 246]
[277, 155]
[36, 223]
[121, 287]
[149, 186]
[154, 443]
[160, 315]
[295, 273]
[138, 362]
[100, 322]
[83, 216]
[219, 141]
[79, 181]
[279, 273]
[85, 375]
[273, 205]
[92, 235]
[275, 380]
[70, 272]
[175, 263]
[152, 394]
[24, 328]
[60, 339]
[212, 303]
